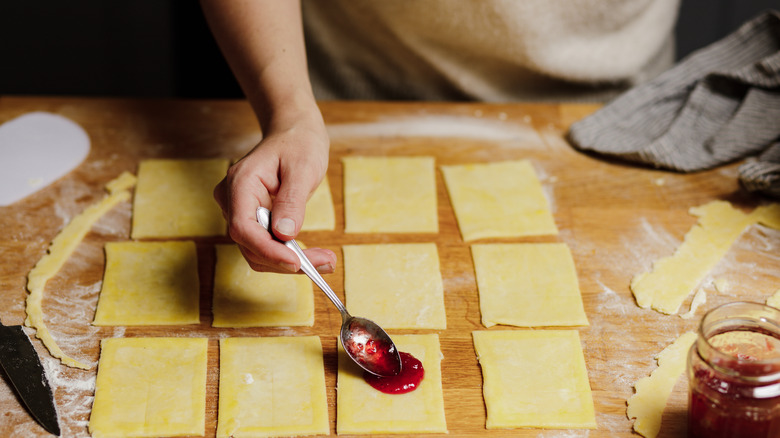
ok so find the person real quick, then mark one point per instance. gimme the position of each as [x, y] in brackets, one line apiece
[488, 50]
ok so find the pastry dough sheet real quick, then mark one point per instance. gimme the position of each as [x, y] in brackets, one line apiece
[534, 378]
[390, 195]
[501, 199]
[362, 409]
[398, 286]
[174, 198]
[149, 283]
[320, 213]
[150, 387]
[272, 387]
[528, 285]
[246, 298]
[673, 278]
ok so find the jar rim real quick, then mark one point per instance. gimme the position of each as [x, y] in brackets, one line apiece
[740, 316]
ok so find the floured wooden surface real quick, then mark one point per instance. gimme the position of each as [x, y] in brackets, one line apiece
[616, 219]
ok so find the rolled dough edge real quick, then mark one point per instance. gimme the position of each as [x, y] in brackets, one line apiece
[61, 247]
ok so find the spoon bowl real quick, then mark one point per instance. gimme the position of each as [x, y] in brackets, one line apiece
[363, 340]
[369, 346]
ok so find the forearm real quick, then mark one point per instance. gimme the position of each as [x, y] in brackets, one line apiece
[262, 41]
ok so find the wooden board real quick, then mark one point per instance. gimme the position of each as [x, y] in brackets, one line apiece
[615, 218]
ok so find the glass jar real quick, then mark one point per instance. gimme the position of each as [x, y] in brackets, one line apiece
[734, 373]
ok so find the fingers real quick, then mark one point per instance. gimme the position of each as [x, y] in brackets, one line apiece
[239, 194]
[324, 260]
[264, 258]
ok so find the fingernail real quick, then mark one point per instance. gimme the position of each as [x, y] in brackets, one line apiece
[288, 267]
[286, 226]
[326, 268]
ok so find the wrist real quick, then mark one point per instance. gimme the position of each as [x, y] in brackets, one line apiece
[281, 112]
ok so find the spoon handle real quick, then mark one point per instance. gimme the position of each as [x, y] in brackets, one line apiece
[264, 218]
[315, 276]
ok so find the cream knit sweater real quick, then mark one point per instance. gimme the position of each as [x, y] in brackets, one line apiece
[488, 50]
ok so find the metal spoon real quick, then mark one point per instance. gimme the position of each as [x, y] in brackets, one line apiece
[363, 340]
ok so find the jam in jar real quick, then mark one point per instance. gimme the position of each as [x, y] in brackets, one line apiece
[734, 373]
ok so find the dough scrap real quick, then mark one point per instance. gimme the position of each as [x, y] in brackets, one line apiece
[648, 402]
[150, 387]
[774, 300]
[398, 286]
[149, 283]
[722, 285]
[125, 181]
[501, 199]
[174, 198]
[534, 378]
[528, 285]
[698, 299]
[390, 195]
[320, 214]
[673, 278]
[60, 249]
[246, 298]
[362, 409]
[272, 387]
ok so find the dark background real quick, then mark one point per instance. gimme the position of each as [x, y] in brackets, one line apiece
[163, 48]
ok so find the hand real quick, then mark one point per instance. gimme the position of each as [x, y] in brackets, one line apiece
[280, 173]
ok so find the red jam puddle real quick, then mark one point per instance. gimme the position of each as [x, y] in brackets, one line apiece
[407, 380]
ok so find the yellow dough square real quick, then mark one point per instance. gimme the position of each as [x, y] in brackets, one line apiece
[246, 298]
[150, 387]
[528, 285]
[272, 387]
[534, 378]
[320, 214]
[174, 198]
[502, 199]
[398, 286]
[149, 283]
[361, 409]
[390, 195]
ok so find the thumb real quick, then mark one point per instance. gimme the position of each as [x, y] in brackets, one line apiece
[289, 208]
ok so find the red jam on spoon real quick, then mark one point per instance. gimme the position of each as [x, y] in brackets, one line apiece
[373, 350]
[407, 380]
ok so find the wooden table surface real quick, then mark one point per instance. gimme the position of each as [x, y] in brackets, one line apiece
[616, 218]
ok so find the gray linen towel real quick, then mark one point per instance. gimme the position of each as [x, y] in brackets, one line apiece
[718, 105]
